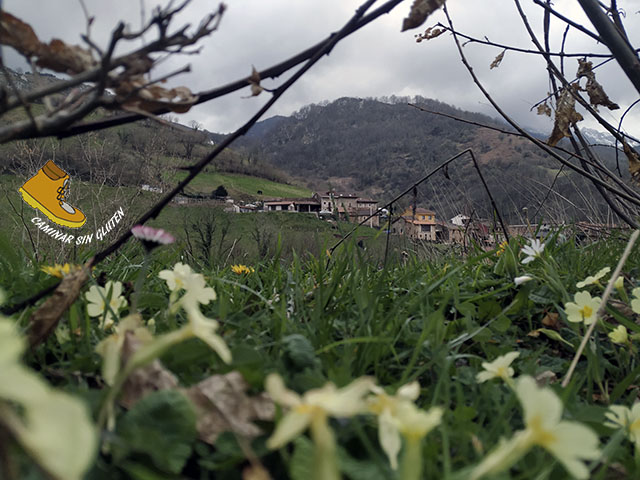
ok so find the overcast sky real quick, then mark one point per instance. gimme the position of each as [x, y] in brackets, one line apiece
[374, 62]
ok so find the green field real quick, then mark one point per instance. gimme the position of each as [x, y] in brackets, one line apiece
[243, 186]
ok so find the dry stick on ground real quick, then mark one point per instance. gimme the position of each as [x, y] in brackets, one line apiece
[198, 167]
[523, 132]
[603, 305]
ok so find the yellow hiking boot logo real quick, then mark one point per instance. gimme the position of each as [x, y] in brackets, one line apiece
[46, 191]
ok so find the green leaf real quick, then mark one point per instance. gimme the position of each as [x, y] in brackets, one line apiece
[161, 425]
[301, 464]
[298, 352]
[359, 469]
[501, 324]
[467, 309]
[553, 335]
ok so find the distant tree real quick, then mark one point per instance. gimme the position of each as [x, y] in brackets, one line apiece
[220, 192]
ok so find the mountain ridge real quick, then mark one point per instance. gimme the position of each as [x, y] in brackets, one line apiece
[380, 148]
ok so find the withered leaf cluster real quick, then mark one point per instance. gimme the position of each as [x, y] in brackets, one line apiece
[221, 402]
[597, 95]
[544, 109]
[566, 116]
[136, 94]
[55, 55]
[420, 11]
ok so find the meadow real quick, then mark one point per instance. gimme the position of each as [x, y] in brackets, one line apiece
[167, 366]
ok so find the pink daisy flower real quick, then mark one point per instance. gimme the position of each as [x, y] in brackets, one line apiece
[152, 237]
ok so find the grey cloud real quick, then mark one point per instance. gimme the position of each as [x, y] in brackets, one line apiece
[377, 61]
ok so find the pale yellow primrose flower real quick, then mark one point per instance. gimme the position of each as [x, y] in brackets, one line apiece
[620, 416]
[54, 428]
[196, 293]
[205, 329]
[110, 349]
[583, 309]
[97, 307]
[397, 414]
[197, 290]
[591, 279]
[314, 405]
[177, 277]
[499, 368]
[619, 335]
[635, 302]
[569, 442]
[619, 283]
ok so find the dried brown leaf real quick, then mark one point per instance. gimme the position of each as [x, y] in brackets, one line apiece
[18, 34]
[420, 11]
[45, 319]
[56, 55]
[144, 380]
[135, 94]
[222, 404]
[634, 161]
[597, 95]
[255, 472]
[566, 116]
[497, 60]
[552, 320]
[429, 33]
[545, 378]
[254, 80]
[544, 109]
[60, 57]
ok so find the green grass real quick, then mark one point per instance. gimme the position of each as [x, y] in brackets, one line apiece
[243, 185]
[429, 316]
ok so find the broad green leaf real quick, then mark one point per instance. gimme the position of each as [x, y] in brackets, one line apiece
[162, 425]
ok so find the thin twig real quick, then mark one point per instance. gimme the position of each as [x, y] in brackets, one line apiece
[603, 305]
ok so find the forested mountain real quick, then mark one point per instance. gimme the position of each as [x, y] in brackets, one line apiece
[380, 147]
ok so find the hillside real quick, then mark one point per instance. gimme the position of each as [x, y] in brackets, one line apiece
[381, 147]
[145, 152]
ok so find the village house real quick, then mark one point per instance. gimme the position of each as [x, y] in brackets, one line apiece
[299, 205]
[345, 206]
[418, 225]
[349, 206]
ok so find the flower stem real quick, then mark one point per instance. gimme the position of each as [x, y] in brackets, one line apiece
[325, 465]
[411, 464]
[140, 281]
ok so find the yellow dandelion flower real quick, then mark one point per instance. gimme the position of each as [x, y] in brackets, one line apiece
[58, 270]
[242, 269]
